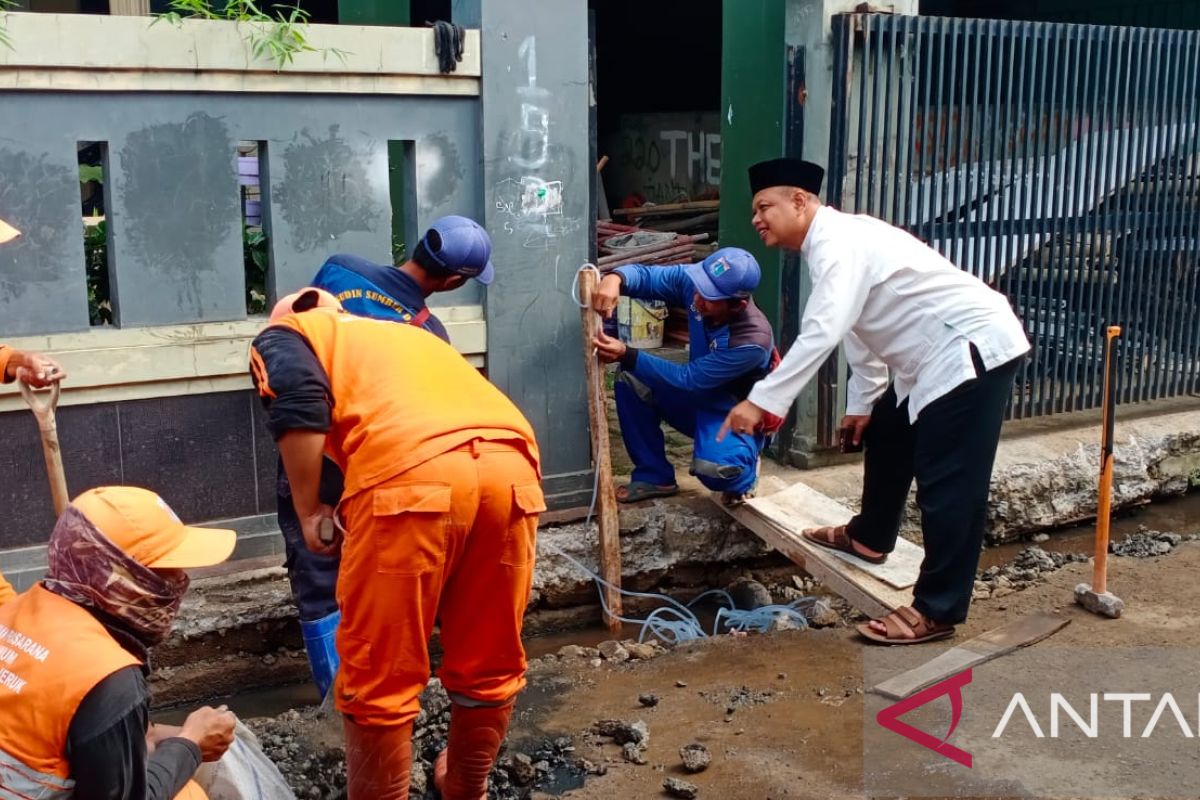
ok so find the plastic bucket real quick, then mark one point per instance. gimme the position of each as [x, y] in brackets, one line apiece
[640, 323]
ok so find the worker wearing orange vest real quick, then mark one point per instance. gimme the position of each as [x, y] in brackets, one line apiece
[38, 371]
[438, 519]
[74, 704]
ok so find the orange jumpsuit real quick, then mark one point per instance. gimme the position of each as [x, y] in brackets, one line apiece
[440, 507]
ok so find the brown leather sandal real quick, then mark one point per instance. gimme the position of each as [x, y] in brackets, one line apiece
[838, 539]
[906, 625]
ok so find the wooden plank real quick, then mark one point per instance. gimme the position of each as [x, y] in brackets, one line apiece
[129, 8]
[606, 494]
[862, 590]
[799, 507]
[993, 644]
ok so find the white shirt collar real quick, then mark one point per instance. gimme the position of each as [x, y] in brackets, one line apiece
[812, 229]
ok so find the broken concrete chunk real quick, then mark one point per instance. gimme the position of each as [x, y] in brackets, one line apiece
[588, 768]
[678, 788]
[613, 651]
[649, 700]
[571, 651]
[623, 732]
[633, 753]
[823, 615]
[641, 652]
[783, 622]
[520, 768]
[695, 757]
[418, 780]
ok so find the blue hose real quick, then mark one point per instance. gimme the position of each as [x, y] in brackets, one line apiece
[674, 622]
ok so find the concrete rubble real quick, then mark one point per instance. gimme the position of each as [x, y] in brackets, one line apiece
[1033, 563]
[678, 788]
[1045, 475]
[308, 747]
[695, 758]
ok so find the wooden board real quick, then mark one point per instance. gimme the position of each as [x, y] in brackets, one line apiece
[993, 644]
[862, 590]
[799, 507]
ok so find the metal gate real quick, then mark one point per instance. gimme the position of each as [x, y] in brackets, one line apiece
[1056, 162]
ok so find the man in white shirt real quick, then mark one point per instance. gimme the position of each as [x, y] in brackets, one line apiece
[952, 347]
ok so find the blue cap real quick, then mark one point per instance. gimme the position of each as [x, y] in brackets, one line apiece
[462, 246]
[729, 273]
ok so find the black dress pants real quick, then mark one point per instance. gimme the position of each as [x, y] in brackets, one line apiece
[950, 451]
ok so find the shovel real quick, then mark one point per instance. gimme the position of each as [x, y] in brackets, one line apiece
[44, 411]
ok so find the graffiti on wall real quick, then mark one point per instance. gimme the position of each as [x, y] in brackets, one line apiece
[532, 204]
[664, 157]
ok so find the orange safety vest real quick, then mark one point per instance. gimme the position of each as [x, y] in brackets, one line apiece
[52, 653]
[400, 396]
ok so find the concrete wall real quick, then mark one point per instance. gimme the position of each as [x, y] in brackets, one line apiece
[538, 179]
[162, 399]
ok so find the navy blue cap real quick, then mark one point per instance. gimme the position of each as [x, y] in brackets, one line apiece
[462, 246]
[729, 273]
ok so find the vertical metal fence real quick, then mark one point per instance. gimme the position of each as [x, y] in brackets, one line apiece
[1056, 162]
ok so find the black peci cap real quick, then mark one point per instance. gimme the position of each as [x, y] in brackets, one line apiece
[786, 172]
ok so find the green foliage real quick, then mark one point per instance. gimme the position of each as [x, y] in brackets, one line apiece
[91, 172]
[254, 246]
[99, 292]
[278, 34]
[95, 260]
[5, 39]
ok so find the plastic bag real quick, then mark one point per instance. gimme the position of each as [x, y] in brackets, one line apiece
[244, 772]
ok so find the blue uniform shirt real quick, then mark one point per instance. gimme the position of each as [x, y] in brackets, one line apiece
[723, 361]
[378, 291]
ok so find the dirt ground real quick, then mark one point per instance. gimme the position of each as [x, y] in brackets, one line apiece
[782, 714]
[801, 736]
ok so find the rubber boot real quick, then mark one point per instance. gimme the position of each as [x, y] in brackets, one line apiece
[322, 654]
[378, 761]
[476, 733]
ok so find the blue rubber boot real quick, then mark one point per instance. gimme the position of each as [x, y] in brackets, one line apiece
[322, 653]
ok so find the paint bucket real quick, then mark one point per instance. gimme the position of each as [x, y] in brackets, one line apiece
[640, 323]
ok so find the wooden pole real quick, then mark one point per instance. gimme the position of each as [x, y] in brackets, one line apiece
[606, 496]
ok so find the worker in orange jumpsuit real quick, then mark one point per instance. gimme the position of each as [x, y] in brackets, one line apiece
[438, 520]
[38, 371]
[74, 702]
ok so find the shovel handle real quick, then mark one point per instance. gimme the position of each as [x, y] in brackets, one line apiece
[42, 409]
[48, 426]
[1104, 504]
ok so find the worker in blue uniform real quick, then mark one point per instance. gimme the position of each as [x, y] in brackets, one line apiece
[730, 347]
[453, 250]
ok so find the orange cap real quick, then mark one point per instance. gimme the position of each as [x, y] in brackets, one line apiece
[7, 232]
[307, 298]
[144, 526]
